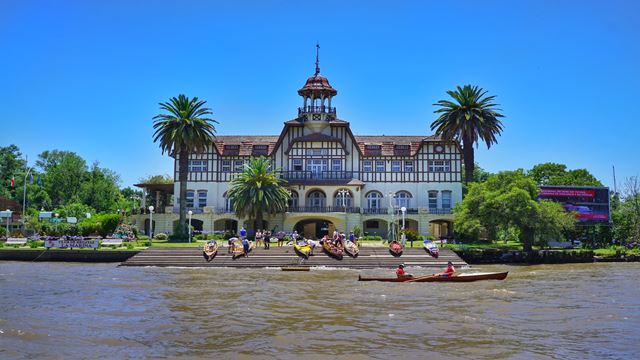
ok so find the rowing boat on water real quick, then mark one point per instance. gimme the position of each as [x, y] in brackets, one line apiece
[441, 278]
[210, 250]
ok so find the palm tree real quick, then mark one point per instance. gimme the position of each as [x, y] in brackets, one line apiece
[471, 117]
[182, 130]
[256, 190]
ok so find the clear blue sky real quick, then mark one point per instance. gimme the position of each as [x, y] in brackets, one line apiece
[86, 76]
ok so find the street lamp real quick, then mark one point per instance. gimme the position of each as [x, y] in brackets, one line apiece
[8, 212]
[150, 225]
[190, 213]
[392, 232]
[24, 195]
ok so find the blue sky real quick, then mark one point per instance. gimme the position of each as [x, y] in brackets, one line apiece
[86, 76]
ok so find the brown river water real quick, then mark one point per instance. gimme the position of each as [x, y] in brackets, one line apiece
[78, 311]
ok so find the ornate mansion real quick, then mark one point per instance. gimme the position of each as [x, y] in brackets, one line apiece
[337, 180]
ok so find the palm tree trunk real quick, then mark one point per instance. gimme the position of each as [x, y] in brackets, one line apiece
[469, 161]
[183, 171]
[258, 223]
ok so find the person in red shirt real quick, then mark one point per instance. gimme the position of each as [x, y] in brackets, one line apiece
[401, 273]
[449, 270]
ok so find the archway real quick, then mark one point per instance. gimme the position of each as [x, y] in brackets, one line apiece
[222, 225]
[314, 228]
[375, 227]
[441, 229]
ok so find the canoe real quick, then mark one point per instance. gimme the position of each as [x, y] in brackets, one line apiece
[210, 250]
[238, 249]
[457, 277]
[332, 250]
[351, 248]
[431, 248]
[395, 248]
[302, 250]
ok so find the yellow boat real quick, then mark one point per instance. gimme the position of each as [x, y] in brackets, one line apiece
[302, 250]
[238, 249]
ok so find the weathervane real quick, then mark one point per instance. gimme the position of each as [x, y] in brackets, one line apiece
[317, 61]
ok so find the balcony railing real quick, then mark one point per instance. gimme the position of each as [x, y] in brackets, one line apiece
[323, 209]
[440, 211]
[381, 211]
[318, 176]
[316, 109]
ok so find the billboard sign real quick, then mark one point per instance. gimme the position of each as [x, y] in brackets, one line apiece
[590, 204]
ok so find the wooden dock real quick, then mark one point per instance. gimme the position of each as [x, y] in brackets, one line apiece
[369, 258]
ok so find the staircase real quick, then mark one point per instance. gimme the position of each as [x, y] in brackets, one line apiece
[369, 257]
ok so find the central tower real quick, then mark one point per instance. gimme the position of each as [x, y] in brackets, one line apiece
[316, 110]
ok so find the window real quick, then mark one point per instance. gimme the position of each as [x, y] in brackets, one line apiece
[226, 166]
[202, 198]
[367, 165]
[403, 198]
[372, 150]
[446, 199]
[408, 166]
[197, 165]
[343, 199]
[336, 165]
[402, 150]
[374, 200]
[433, 200]
[317, 152]
[238, 165]
[297, 164]
[439, 165]
[189, 198]
[228, 203]
[231, 149]
[260, 149]
[316, 199]
[379, 166]
[293, 200]
[395, 166]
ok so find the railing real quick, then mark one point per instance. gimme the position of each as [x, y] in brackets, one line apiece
[318, 176]
[380, 211]
[224, 211]
[316, 109]
[142, 211]
[440, 211]
[323, 209]
[176, 210]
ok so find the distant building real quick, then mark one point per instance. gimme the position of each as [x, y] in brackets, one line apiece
[337, 180]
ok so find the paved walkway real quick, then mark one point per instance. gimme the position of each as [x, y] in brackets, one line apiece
[369, 258]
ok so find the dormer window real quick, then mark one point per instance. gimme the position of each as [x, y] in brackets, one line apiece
[401, 150]
[232, 149]
[260, 150]
[372, 150]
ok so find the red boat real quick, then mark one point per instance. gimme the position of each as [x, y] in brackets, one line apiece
[455, 277]
[332, 250]
[395, 248]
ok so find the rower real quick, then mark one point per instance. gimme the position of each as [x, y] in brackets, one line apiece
[401, 273]
[449, 271]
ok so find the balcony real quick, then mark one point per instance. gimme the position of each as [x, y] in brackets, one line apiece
[316, 109]
[440, 211]
[375, 211]
[318, 176]
[323, 209]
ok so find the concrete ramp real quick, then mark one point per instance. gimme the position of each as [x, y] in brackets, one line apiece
[369, 258]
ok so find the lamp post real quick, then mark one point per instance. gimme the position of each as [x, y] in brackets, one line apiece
[190, 213]
[404, 236]
[8, 212]
[150, 225]
[24, 195]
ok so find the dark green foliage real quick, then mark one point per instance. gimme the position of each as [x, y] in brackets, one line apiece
[472, 117]
[411, 235]
[557, 174]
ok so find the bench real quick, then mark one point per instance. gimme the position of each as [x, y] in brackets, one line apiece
[16, 241]
[111, 242]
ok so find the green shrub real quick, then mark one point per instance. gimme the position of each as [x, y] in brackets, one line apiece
[129, 245]
[1, 244]
[35, 243]
[161, 236]
[411, 235]
[143, 237]
[370, 237]
[357, 231]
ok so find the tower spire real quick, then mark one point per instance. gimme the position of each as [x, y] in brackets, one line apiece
[317, 61]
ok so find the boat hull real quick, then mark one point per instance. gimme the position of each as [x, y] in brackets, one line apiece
[332, 250]
[209, 251]
[302, 250]
[395, 248]
[439, 278]
[351, 248]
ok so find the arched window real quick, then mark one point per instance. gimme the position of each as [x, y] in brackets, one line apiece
[189, 198]
[293, 201]
[316, 199]
[403, 198]
[374, 200]
[342, 198]
[202, 198]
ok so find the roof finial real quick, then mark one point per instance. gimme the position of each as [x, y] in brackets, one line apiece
[317, 61]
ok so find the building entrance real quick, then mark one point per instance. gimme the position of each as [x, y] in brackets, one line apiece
[314, 228]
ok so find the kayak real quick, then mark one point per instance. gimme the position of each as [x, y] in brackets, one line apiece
[431, 248]
[303, 250]
[210, 250]
[395, 248]
[238, 249]
[332, 250]
[440, 278]
[351, 248]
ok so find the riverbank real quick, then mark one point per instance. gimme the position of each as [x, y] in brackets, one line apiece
[475, 256]
[89, 255]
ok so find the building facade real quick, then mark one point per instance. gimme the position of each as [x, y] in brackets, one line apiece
[337, 180]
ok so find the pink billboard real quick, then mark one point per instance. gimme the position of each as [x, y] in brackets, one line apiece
[567, 192]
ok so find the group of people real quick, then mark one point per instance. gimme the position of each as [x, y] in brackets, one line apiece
[263, 237]
[339, 238]
[400, 272]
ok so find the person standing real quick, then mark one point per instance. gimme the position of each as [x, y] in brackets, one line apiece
[259, 238]
[267, 239]
[243, 233]
[245, 246]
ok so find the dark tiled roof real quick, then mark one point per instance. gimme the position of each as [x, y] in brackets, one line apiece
[388, 142]
[245, 142]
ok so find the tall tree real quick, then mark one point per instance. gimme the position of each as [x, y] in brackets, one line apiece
[557, 174]
[258, 190]
[64, 174]
[11, 167]
[183, 129]
[471, 117]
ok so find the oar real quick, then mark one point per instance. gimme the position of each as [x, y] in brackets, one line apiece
[421, 278]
